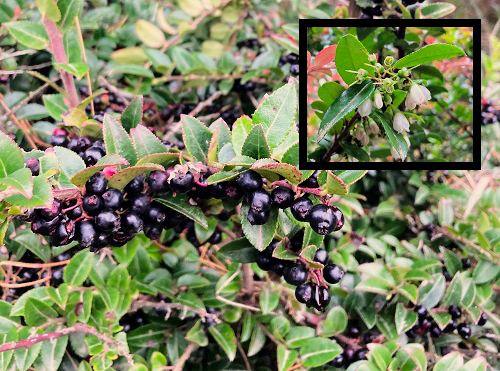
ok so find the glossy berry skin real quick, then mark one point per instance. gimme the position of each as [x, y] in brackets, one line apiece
[96, 185]
[107, 221]
[455, 311]
[59, 140]
[322, 219]
[92, 155]
[86, 233]
[216, 237]
[421, 311]
[303, 293]
[282, 197]
[321, 256]
[464, 331]
[249, 181]
[43, 227]
[301, 209]
[321, 298]
[64, 233]
[219, 190]
[131, 222]
[353, 332]
[34, 165]
[482, 319]
[113, 199]
[279, 266]
[295, 274]
[50, 213]
[103, 240]
[258, 218]
[135, 186]
[260, 200]
[339, 216]
[360, 354]
[152, 232]
[338, 361]
[311, 182]
[92, 204]
[452, 326]
[294, 69]
[297, 240]
[158, 182]
[140, 204]
[368, 337]
[120, 238]
[466, 263]
[75, 213]
[435, 331]
[155, 214]
[264, 261]
[332, 273]
[182, 183]
[233, 191]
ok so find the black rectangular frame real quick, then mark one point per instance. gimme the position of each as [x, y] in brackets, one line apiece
[475, 164]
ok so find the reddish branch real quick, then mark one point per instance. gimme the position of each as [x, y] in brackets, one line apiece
[79, 327]
[336, 144]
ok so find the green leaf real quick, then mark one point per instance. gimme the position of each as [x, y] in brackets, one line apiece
[330, 91]
[431, 294]
[59, 295]
[257, 341]
[6, 357]
[404, 319]
[374, 285]
[260, 236]
[485, 271]
[145, 142]
[277, 114]
[160, 158]
[335, 185]
[350, 177]
[241, 129]
[69, 10]
[117, 140]
[181, 205]
[348, 101]
[52, 353]
[80, 178]
[76, 69]
[11, 157]
[224, 336]
[196, 137]
[30, 34]
[380, 355]
[437, 10]
[297, 335]
[69, 161]
[49, 9]
[197, 335]
[184, 60]
[149, 34]
[239, 251]
[396, 140]
[131, 69]
[451, 361]
[19, 181]
[289, 172]
[255, 145]
[334, 323]
[318, 351]
[123, 177]
[55, 106]
[25, 357]
[285, 357]
[429, 53]
[268, 299]
[37, 312]
[42, 195]
[351, 55]
[132, 115]
[78, 269]
[18, 309]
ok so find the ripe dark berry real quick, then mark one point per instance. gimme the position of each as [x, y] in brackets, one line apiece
[249, 181]
[152, 232]
[321, 298]
[34, 165]
[435, 331]
[311, 182]
[51, 212]
[216, 237]
[464, 331]
[393, 16]
[158, 182]
[301, 209]
[74, 213]
[452, 326]
[466, 263]
[303, 293]
[64, 233]
[258, 218]
[295, 274]
[264, 261]
[233, 191]
[368, 337]
[482, 319]
[182, 183]
[338, 361]
[421, 311]
[339, 216]
[86, 233]
[219, 190]
[446, 274]
[43, 227]
[353, 331]
[135, 186]
[282, 197]
[113, 199]
[332, 273]
[140, 204]
[279, 266]
[103, 240]
[294, 69]
[92, 155]
[360, 354]
[297, 240]
[92, 204]
[224, 215]
[322, 219]
[120, 238]
[96, 185]
[260, 200]
[107, 221]
[131, 222]
[59, 140]
[155, 214]
[455, 311]
[321, 256]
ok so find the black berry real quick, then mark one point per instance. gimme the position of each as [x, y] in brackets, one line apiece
[466, 263]
[249, 181]
[421, 311]
[92, 204]
[338, 361]
[311, 182]
[464, 331]
[339, 216]
[452, 326]
[113, 199]
[482, 319]
[321, 256]
[322, 219]
[43, 227]
[140, 204]
[131, 222]
[51, 212]
[86, 233]
[59, 140]
[455, 311]
[182, 183]
[158, 182]
[295, 274]
[233, 191]
[155, 214]
[282, 197]
[435, 331]
[92, 155]
[96, 184]
[74, 213]
[297, 240]
[332, 273]
[34, 165]
[360, 354]
[321, 298]
[152, 232]
[135, 186]
[216, 237]
[260, 200]
[301, 209]
[107, 221]
[257, 218]
[303, 293]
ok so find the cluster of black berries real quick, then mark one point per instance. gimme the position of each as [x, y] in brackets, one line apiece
[293, 60]
[489, 113]
[376, 9]
[349, 355]
[425, 323]
[105, 103]
[440, 177]
[89, 149]
[313, 294]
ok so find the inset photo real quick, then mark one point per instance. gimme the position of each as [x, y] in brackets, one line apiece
[388, 94]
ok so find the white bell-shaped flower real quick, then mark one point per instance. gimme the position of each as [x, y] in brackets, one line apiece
[416, 94]
[410, 103]
[427, 93]
[365, 108]
[362, 136]
[373, 128]
[395, 153]
[407, 140]
[401, 123]
[377, 99]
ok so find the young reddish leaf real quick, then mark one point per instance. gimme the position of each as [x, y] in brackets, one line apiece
[326, 56]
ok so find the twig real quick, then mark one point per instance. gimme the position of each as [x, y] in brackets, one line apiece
[122, 94]
[231, 234]
[163, 79]
[243, 355]
[21, 126]
[17, 54]
[79, 327]
[336, 144]
[179, 365]
[200, 106]
[252, 98]
[248, 285]
[84, 54]
[33, 265]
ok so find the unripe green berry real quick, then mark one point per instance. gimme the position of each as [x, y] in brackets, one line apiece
[388, 61]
